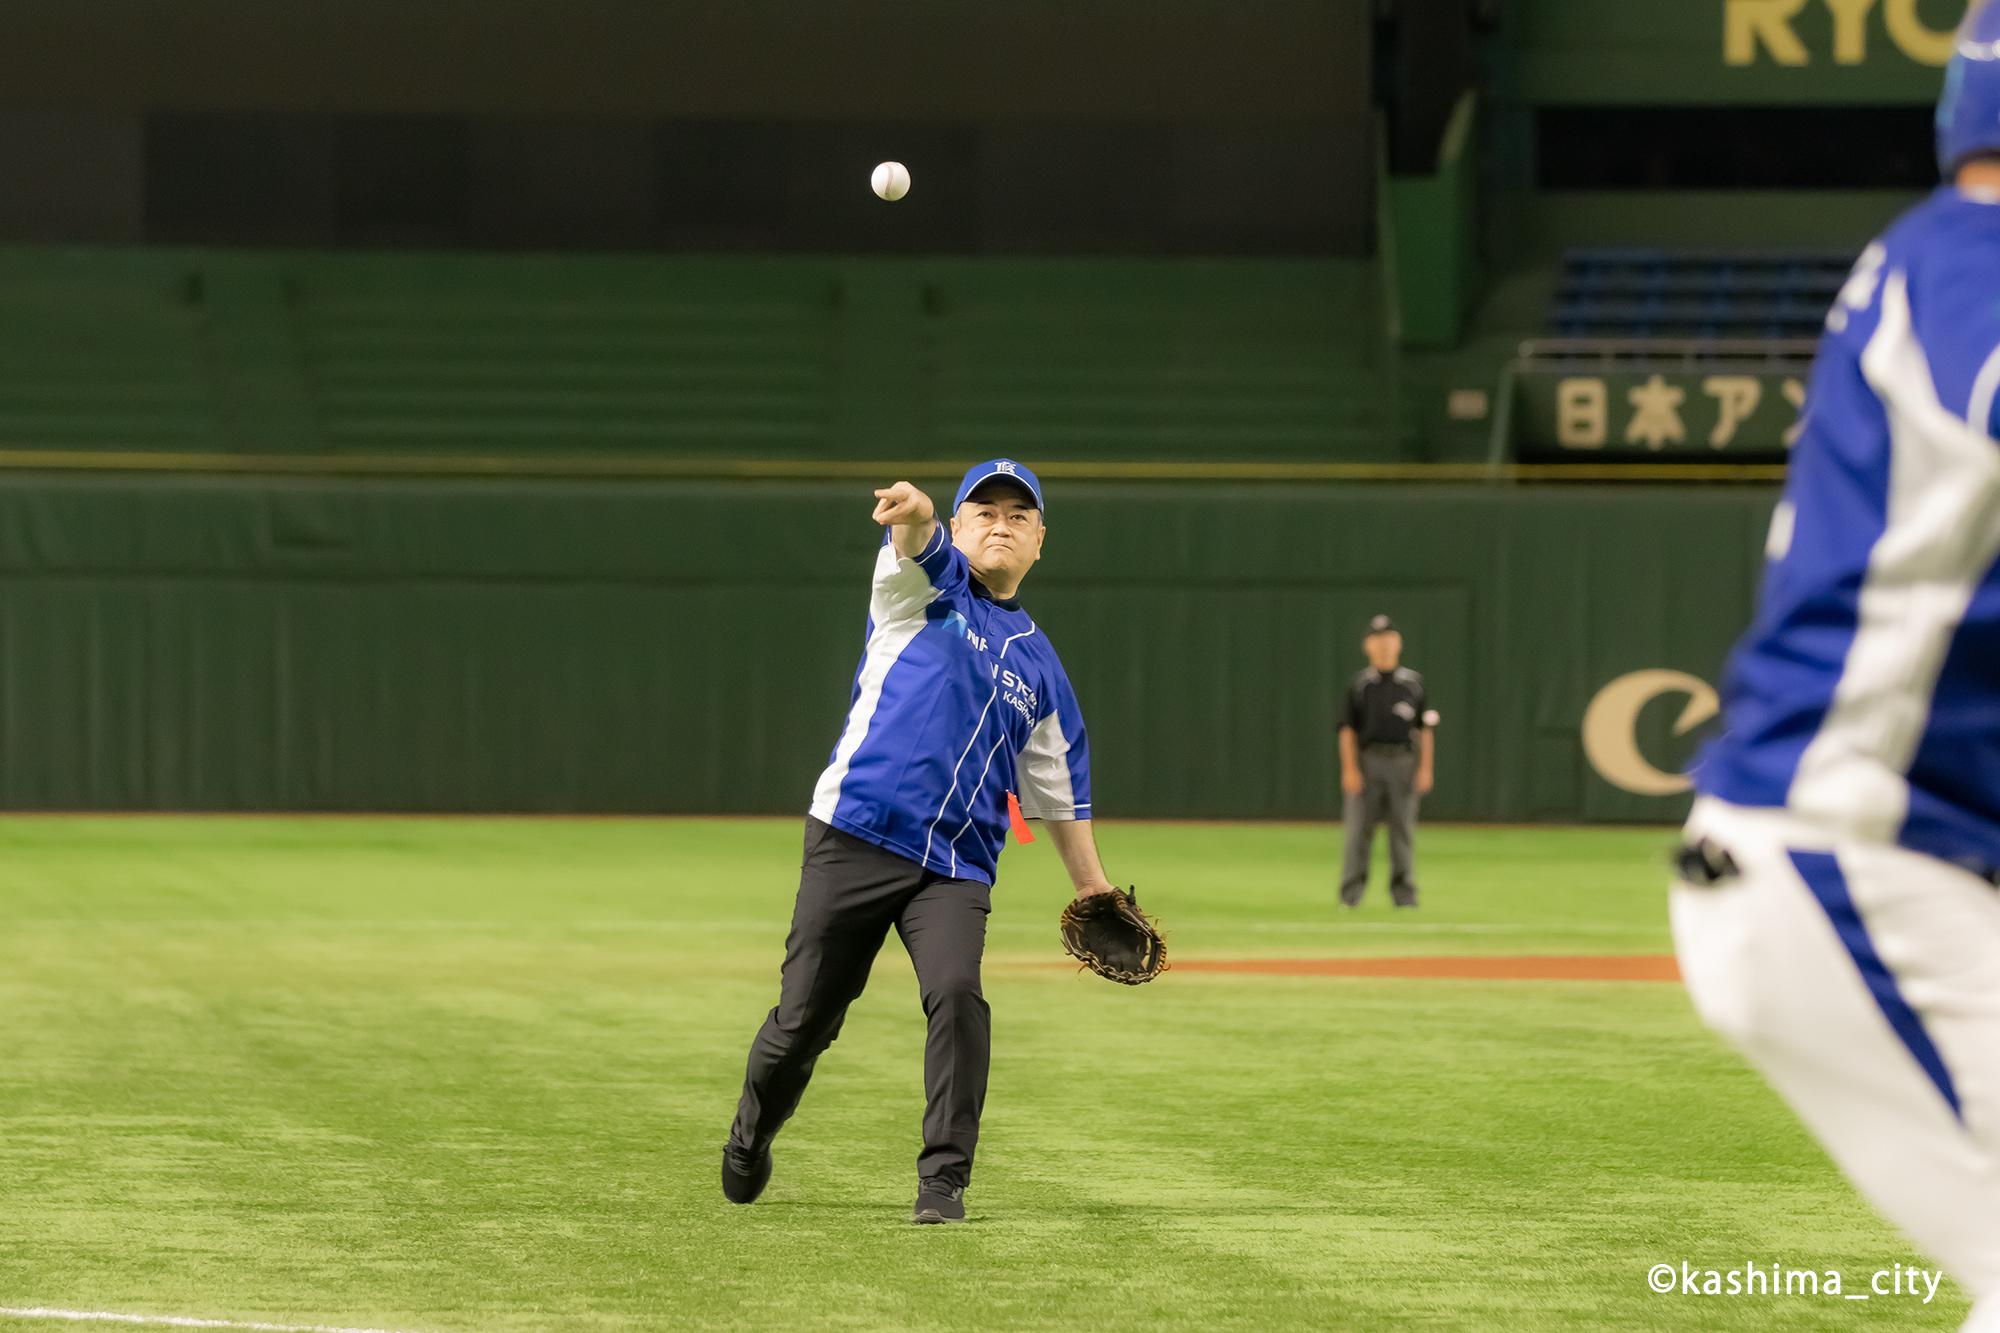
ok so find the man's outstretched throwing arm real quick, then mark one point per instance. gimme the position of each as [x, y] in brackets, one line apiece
[910, 517]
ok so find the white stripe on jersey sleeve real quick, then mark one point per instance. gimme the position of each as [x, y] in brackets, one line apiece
[1979, 412]
[902, 589]
[1043, 772]
[1942, 535]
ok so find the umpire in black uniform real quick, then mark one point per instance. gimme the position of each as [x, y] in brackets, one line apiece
[1385, 763]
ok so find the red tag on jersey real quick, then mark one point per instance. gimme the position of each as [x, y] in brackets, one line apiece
[1014, 818]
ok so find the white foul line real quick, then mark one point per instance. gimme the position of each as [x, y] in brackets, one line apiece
[178, 1321]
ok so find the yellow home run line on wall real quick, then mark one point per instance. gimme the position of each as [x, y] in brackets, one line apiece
[712, 469]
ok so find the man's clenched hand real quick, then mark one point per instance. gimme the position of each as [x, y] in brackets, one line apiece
[908, 514]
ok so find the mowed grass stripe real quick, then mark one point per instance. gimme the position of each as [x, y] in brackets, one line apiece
[473, 1077]
[174, 1321]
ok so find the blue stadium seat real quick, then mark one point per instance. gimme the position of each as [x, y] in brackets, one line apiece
[1632, 293]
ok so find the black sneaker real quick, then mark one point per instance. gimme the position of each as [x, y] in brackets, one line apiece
[938, 1202]
[744, 1176]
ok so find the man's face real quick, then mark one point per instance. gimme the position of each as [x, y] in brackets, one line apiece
[1384, 650]
[1000, 531]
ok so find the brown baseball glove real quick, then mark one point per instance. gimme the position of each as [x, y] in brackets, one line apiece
[1108, 934]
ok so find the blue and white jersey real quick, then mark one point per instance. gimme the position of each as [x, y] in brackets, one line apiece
[1865, 697]
[959, 701]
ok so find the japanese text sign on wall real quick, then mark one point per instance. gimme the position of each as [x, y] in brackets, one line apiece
[1652, 412]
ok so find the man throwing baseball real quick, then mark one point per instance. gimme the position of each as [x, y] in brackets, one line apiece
[959, 703]
[1836, 914]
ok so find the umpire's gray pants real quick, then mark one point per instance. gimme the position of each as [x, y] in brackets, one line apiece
[1388, 793]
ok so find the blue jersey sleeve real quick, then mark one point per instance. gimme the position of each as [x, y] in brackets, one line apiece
[1054, 768]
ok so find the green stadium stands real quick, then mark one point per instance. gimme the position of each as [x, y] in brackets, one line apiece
[1211, 360]
[692, 357]
[580, 356]
[102, 351]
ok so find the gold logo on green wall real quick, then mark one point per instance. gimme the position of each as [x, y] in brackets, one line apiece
[1610, 728]
[1753, 29]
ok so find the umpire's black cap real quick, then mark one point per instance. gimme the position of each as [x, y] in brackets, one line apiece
[1382, 625]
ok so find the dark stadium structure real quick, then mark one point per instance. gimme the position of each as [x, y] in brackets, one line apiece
[350, 351]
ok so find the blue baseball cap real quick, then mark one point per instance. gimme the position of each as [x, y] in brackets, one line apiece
[1007, 470]
[1968, 115]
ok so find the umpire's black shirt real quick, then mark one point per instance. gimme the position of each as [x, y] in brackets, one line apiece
[1385, 708]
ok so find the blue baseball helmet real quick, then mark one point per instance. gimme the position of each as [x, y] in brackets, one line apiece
[1007, 470]
[1968, 115]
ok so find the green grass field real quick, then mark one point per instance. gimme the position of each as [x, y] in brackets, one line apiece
[474, 1075]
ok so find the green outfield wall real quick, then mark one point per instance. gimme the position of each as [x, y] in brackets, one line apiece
[250, 643]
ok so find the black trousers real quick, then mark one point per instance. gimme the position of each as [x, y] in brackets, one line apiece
[850, 893]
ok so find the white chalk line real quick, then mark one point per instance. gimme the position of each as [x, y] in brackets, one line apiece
[178, 1321]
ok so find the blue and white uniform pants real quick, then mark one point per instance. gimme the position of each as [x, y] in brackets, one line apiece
[1863, 980]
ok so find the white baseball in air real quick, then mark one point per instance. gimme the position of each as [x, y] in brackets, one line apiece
[891, 180]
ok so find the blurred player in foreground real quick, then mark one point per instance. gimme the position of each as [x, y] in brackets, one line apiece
[1837, 914]
[959, 701]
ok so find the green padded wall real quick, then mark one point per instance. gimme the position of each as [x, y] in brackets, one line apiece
[204, 643]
